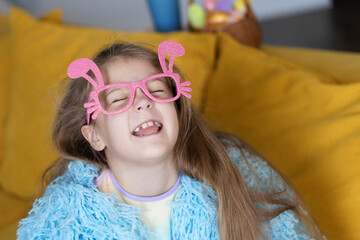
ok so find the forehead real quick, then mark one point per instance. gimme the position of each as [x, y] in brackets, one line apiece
[127, 70]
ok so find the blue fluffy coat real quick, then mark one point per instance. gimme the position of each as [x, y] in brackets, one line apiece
[74, 208]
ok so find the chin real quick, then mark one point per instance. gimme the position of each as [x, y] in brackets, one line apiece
[156, 152]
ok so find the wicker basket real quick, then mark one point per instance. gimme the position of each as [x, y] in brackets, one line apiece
[246, 31]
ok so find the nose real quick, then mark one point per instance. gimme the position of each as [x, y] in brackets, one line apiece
[141, 101]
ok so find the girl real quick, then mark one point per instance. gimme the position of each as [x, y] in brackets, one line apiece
[139, 162]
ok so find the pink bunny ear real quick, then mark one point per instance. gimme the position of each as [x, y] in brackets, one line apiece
[80, 67]
[172, 48]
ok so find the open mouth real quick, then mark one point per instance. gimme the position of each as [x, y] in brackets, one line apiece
[147, 128]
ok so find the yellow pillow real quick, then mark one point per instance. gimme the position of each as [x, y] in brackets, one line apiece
[4, 77]
[309, 129]
[5, 67]
[42, 53]
[341, 67]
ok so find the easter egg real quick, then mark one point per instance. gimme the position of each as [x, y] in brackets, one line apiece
[235, 16]
[216, 19]
[240, 6]
[210, 5]
[196, 16]
[224, 6]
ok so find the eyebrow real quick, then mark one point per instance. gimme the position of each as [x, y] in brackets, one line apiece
[160, 79]
[110, 90]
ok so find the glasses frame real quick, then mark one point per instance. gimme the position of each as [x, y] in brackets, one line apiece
[94, 95]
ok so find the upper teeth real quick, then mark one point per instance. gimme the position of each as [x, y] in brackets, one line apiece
[147, 124]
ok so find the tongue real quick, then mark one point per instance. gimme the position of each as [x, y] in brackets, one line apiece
[147, 131]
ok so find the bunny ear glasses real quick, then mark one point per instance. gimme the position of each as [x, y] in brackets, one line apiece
[123, 94]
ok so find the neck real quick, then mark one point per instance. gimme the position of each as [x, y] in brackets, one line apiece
[145, 181]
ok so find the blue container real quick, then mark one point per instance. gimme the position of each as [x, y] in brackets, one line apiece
[165, 14]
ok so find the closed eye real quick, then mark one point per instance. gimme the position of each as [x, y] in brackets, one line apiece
[118, 100]
[155, 91]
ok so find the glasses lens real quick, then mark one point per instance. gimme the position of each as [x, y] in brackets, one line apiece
[162, 88]
[114, 98]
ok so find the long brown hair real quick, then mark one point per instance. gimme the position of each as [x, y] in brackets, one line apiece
[198, 152]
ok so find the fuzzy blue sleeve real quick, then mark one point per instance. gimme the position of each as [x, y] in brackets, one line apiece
[260, 176]
[73, 208]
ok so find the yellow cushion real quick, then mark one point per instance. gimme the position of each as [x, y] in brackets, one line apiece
[8, 232]
[4, 77]
[309, 129]
[12, 208]
[5, 67]
[340, 67]
[42, 52]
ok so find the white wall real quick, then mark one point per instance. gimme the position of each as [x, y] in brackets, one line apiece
[114, 14]
[4, 6]
[134, 14]
[269, 9]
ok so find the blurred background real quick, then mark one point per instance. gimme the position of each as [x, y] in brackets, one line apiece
[323, 24]
[273, 90]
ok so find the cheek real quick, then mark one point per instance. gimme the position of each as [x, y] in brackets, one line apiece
[114, 126]
[173, 118]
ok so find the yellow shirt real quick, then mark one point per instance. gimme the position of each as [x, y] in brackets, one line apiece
[156, 211]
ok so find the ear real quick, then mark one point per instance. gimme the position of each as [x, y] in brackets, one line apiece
[91, 135]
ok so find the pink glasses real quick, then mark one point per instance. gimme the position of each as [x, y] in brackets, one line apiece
[118, 97]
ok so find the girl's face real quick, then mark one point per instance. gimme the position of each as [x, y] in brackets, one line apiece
[145, 133]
